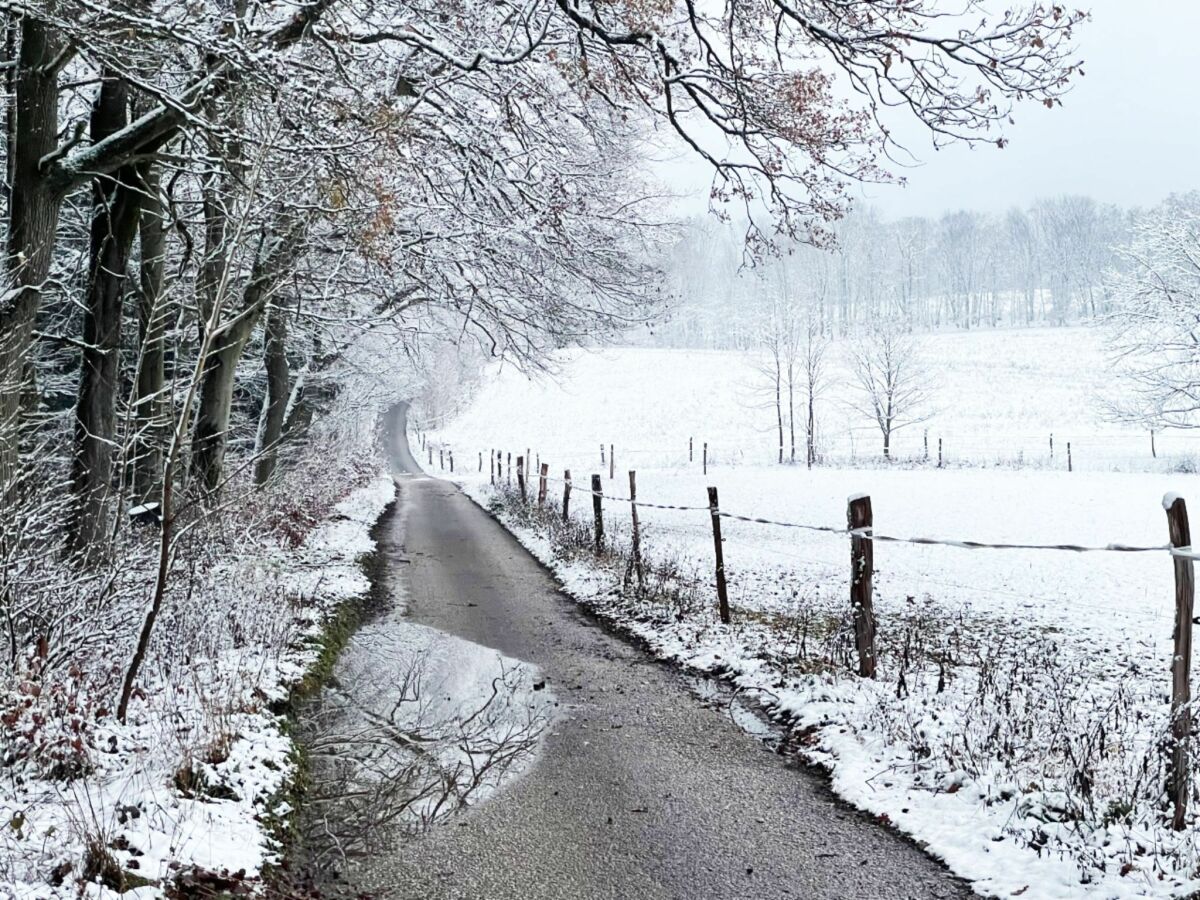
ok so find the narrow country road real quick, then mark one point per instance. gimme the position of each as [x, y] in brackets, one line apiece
[641, 791]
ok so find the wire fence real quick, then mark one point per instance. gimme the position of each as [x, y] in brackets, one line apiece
[959, 543]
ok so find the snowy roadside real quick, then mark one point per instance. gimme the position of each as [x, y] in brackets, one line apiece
[191, 794]
[1023, 754]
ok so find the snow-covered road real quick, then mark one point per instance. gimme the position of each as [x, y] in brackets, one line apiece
[640, 789]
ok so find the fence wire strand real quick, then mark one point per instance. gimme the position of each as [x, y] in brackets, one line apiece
[1187, 553]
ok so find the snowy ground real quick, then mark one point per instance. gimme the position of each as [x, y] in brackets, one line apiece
[186, 792]
[1018, 723]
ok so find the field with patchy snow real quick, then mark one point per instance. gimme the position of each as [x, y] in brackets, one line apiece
[1020, 717]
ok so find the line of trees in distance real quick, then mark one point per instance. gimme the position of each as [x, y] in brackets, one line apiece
[1048, 264]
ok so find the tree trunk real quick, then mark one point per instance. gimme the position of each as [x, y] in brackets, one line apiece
[217, 377]
[150, 406]
[812, 427]
[278, 390]
[212, 266]
[791, 393]
[33, 220]
[116, 208]
[779, 411]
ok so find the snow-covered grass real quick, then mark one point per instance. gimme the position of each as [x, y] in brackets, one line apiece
[191, 793]
[1019, 722]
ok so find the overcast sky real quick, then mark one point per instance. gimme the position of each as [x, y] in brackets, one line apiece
[1128, 132]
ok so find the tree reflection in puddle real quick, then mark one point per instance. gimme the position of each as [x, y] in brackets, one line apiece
[414, 725]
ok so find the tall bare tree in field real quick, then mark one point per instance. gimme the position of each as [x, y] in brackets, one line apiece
[895, 386]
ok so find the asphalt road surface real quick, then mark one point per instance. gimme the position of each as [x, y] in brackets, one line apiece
[641, 790]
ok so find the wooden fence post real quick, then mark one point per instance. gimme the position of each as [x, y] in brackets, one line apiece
[510, 468]
[492, 466]
[714, 509]
[442, 458]
[1052, 446]
[612, 462]
[636, 561]
[706, 457]
[521, 476]
[598, 509]
[862, 570]
[543, 472]
[691, 458]
[566, 494]
[926, 445]
[430, 448]
[1070, 464]
[602, 461]
[1181, 662]
[939, 453]
[480, 460]
[1153, 452]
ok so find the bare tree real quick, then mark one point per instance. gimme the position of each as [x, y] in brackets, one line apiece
[814, 345]
[770, 354]
[894, 385]
[1154, 329]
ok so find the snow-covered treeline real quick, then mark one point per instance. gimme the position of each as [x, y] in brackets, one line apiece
[1049, 264]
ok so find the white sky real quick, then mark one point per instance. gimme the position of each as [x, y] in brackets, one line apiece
[1128, 132]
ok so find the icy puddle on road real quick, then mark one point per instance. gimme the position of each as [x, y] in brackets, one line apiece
[414, 725]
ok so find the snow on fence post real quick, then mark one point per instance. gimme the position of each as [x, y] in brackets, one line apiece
[612, 462]
[543, 472]
[521, 476]
[1181, 661]
[706, 457]
[862, 571]
[1070, 465]
[714, 509]
[636, 560]
[566, 494]
[597, 508]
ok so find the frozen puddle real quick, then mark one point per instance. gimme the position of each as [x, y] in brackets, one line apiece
[414, 725]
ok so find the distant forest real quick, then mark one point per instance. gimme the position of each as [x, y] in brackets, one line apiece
[1049, 264]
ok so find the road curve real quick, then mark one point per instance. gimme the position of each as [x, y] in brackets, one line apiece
[641, 791]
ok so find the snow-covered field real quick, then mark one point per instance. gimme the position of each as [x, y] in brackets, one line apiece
[1019, 720]
[997, 398]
